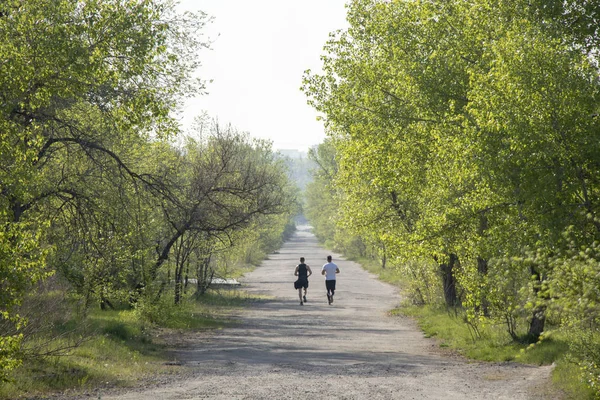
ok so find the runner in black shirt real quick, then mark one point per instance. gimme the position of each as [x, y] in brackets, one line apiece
[302, 272]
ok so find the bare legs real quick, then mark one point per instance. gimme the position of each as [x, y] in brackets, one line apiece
[301, 296]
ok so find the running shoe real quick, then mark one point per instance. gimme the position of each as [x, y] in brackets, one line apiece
[304, 298]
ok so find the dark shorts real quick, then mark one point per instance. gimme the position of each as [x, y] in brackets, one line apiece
[330, 285]
[301, 283]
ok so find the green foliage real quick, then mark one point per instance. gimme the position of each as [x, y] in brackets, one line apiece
[82, 83]
[465, 147]
[92, 188]
[573, 290]
[567, 376]
[321, 205]
[116, 350]
[227, 190]
[585, 353]
[573, 286]
[120, 346]
[422, 284]
[493, 345]
[188, 314]
[9, 354]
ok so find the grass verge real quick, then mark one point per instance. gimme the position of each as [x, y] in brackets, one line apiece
[118, 348]
[494, 344]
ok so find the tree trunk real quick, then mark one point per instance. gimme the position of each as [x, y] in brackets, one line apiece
[136, 293]
[104, 301]
[163, 255]
[186, 280]
[178, 289]
[449, 280]
[538, 319]
[183, 249]
[482, 263]
[204, 275]
[178, 281]
[482, 268]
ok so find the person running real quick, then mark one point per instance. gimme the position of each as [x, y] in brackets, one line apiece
[302, 271]
[330, 270]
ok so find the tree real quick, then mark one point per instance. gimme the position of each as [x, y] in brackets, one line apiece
[321, 205]
[79, 80]
[223, 182]
[463, 134]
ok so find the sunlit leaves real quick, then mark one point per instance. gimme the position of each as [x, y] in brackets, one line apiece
[467, 128]
[81, 85]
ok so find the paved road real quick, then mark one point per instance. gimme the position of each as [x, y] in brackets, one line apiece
[349, 350]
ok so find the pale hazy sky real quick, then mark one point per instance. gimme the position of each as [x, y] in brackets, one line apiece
[257, 62]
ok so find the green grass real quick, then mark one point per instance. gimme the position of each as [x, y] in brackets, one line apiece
[495, 345]
[119, 347]
[389, 275]
[566, 377]
[105, 356]
[228, 299]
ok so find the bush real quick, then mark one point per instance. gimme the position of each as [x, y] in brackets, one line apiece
[585, 352]
[9, 355]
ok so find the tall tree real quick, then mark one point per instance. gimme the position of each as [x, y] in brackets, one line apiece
[78, 80]
[464, 133]
[224, 182]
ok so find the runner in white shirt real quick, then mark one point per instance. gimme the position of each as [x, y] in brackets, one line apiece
[330, 270]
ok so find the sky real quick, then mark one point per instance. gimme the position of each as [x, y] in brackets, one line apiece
[260, 51]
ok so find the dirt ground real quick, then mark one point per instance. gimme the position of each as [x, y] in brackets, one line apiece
[349, 350]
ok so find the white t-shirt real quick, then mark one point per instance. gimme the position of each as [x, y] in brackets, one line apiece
[329, 269]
